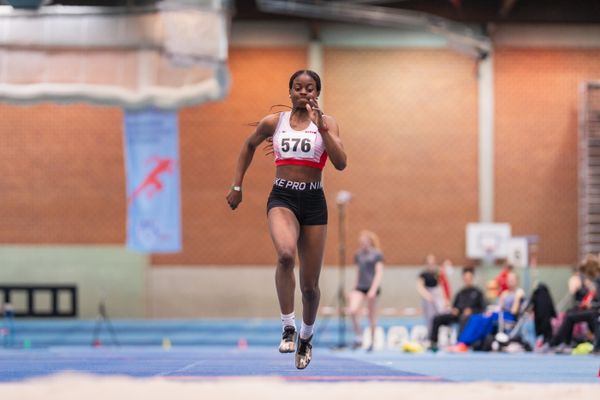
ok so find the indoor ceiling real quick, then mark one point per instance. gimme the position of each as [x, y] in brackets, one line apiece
[466, 11]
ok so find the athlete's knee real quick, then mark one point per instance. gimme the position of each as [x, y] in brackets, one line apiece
[372, 316]
[310, 290]
[286, 258]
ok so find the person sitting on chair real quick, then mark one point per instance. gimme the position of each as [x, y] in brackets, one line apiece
[585, 294]
[469, 300]
[480, 325]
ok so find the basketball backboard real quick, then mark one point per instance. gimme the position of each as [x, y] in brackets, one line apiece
[488, 240]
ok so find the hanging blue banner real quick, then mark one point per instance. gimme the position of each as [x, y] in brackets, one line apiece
[152, 168]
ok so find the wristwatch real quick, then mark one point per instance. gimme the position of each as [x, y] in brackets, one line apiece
[236, 188]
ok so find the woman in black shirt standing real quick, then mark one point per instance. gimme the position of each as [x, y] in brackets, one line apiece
[431, 292]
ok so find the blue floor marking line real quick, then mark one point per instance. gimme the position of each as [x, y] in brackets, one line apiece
[182, 369]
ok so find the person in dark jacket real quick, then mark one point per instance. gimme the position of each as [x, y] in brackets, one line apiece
[469, 300]
[544, 311]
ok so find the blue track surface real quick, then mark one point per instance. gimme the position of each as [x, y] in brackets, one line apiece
[194, 364]
[209, 350]
[328, 365]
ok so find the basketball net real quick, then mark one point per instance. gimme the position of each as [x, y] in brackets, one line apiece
[489, 257]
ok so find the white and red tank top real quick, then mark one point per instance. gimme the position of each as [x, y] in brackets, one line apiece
[293, 147]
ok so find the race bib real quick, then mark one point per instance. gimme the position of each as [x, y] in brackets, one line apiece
[297, 145]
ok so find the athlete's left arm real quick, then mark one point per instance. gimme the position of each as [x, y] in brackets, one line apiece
[331, 138]
[330, 132]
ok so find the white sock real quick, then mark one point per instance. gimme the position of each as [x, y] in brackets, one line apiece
[306, 331]
[288, 320]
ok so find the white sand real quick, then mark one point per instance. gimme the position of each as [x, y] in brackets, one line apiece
[88, 387]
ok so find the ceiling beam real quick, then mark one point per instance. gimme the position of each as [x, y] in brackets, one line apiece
[457, 34]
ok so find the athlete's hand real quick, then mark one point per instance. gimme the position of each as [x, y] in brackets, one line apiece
[316, 114]
[268, 148]
[234, 198]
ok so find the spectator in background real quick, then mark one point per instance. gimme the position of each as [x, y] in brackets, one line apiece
[480, 325]
[432, 295]
[492, 291]
[369, 260]
[597, 337]
[582, 286]
[543, 311]
[469, 300]
[597, 332]
[502, 277]
[583, 282]
[444, 272]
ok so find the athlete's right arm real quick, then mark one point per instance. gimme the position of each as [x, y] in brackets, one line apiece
[264, 130]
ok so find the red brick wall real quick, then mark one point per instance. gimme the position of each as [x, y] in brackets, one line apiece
[61, 175]
[409, 123]
[536, 144]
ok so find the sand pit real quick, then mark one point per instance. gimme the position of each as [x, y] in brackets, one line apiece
[68, 386]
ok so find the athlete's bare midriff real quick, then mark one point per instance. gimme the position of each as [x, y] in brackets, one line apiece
[298, 173]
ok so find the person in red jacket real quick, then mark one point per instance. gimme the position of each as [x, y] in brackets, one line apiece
[502, 278]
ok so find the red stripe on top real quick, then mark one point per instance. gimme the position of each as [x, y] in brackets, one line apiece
[307, 163]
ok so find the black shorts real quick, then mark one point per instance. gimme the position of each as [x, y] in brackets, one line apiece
[306, 200]
[365, 291]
